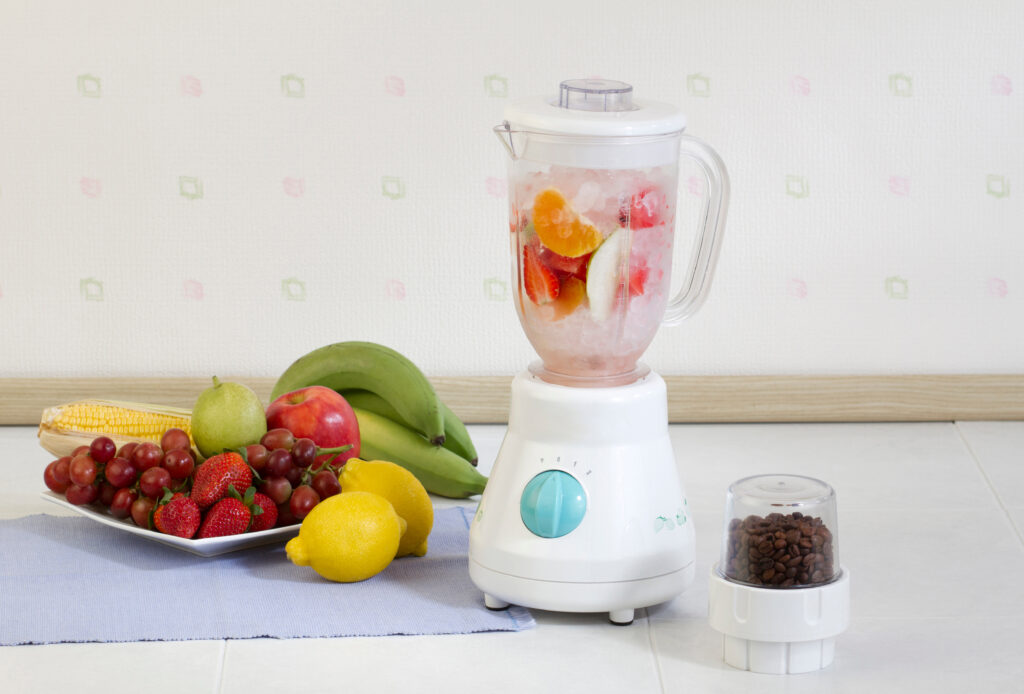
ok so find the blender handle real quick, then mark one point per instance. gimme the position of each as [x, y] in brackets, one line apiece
[705, 247]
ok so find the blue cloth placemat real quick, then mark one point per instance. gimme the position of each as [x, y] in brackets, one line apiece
[74, 580]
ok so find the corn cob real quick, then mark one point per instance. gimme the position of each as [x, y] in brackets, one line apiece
[65, 427]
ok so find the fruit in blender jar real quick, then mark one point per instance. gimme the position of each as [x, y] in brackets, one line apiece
[565, 267]
[562, 229]
[571, 296]
[647, 208]
[603, 284]
[638, 272]
[540, 282]
[227, 416]
[318, 413]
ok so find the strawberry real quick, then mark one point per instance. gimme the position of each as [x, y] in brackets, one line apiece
[564, 267]
[177, 514]
[540, 282]
[268, 518]
[637, 277]
[212, 479]
[232, 515]
[646, 208]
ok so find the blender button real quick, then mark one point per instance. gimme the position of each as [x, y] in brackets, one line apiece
[553, 504]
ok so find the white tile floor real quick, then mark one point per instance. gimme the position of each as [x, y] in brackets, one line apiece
[931, 529]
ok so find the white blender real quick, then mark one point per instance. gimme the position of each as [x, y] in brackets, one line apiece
[584, 510]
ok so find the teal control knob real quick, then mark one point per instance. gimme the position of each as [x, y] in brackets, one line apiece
[553, 504]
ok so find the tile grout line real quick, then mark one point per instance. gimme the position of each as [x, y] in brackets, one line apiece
[988, 482]
[222, 668]
[654, 650]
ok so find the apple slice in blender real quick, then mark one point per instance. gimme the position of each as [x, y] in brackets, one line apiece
[603, 272]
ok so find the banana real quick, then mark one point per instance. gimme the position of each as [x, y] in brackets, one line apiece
[439, 470]
[376, 368]
[456, 437]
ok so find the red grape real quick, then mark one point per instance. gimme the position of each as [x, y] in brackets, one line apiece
[79, 450]
[303, 500]
[127, 450]
[82, 470]
[82, 494]
[277, 488]
[153, 480]
[278, 438]
[178, 462]
[61, 470]
[325, 483]
[50, 477]
[303, 452]
[147, 455]
[140, 510]
[284, 516]
[279, 462]
[107, 492]
[120, 473]
[121, 505]
[256, 455]
[294, 475]
[102, 449]
[175, 439]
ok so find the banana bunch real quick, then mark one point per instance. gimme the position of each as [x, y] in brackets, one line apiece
[401, 419]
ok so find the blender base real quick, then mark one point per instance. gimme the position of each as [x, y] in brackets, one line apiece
[584, 510]
[619, 599]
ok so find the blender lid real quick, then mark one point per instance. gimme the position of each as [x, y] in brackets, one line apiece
[594, 107]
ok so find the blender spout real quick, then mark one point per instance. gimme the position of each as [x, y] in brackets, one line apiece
[506, 135]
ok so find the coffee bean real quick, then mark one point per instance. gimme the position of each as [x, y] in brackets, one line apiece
[779, 550]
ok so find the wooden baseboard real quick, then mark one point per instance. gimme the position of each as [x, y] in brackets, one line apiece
[690, 398]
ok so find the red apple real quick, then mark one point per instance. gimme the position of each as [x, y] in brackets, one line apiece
[317, 413]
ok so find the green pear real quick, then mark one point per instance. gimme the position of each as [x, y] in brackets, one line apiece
[227, 416]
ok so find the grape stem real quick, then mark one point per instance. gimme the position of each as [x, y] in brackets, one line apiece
[336, 451]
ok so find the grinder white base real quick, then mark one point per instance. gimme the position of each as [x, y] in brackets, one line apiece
[779, 630]
[634, 545]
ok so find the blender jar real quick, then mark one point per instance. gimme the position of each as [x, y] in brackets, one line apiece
[593, 179]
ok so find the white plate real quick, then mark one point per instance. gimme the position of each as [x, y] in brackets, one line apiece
[207, 547]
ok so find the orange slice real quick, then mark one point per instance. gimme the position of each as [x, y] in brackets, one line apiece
[560, 228]
[572, 294]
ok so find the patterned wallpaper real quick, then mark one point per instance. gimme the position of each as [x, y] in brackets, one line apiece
[218, 187]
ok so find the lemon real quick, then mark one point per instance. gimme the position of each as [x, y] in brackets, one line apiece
[348, 537]
[402, 489]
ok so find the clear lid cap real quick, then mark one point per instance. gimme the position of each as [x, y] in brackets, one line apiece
[594, 107]
[780, 532]
[596, 95]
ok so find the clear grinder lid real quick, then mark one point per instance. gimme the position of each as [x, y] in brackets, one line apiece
[594, 107]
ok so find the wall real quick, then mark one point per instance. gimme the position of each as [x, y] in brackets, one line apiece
[190, 188]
